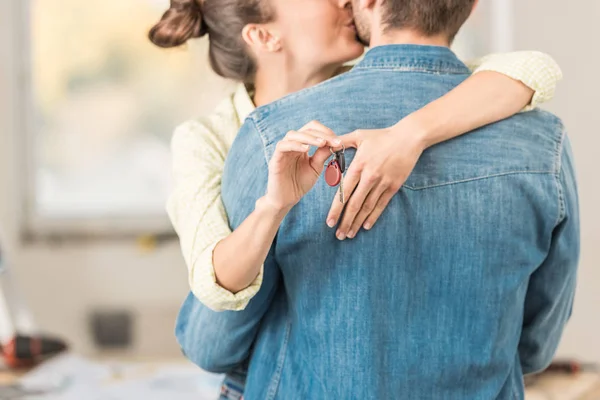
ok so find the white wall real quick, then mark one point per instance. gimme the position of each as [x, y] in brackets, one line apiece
[569, 31]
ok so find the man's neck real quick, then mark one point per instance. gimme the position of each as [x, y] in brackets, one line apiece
[406, 36]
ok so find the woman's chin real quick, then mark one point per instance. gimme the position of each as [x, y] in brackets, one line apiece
[357, 50]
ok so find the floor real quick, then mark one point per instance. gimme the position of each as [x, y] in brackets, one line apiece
[581, 386]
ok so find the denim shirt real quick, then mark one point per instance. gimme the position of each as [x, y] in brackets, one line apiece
[463, 285]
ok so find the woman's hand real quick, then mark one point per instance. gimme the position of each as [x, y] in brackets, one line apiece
[292, 172]
[384, 160]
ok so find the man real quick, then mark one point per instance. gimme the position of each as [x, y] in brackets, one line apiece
[466, 282]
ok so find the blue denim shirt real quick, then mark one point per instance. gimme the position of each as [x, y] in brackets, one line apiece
[464, 284]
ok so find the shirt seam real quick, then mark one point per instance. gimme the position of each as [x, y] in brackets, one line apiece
[415, 68]
[416, 188]
[274, 386]
[557, 175]
[261, 112]
[263, 139]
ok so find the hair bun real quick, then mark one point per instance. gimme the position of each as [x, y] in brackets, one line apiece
[180, 23]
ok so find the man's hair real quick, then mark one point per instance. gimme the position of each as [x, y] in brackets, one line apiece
[430, 17]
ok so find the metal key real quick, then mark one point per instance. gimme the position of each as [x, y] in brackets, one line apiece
[342, 189]
[341, 159]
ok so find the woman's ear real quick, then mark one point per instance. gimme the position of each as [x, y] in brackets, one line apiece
[260, 38]
[475, 5]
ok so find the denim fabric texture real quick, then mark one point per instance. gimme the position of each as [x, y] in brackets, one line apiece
[463, 285]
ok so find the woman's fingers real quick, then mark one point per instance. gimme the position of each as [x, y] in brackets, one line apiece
[383, 202]
[355, 204]
[312, 137]
[318, 129]
[292, 146]
[368, 207]
[317, 126]
[317, 161]
[351, 140]
[305, 138]
[332, 140]
[351, 180]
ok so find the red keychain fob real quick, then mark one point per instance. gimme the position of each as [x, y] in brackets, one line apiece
[333, 173]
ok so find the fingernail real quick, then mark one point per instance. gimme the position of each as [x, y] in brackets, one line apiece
[306, 146]
[337, 142]
[330, 222]
[367, 225]
[351, 234]
[320, 140]
[341, 236]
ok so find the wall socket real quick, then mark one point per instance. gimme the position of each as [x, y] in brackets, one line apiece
[111, 329]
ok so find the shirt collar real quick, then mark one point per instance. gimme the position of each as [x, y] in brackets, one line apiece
[407, 57]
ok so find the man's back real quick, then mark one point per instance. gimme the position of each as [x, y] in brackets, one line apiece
[467, 278]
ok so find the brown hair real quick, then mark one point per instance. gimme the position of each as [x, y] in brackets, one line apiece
[223, 21]
[430, 17]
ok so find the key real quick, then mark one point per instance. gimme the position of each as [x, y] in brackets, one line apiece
[334, 173]
[341, 157]
[342, 189]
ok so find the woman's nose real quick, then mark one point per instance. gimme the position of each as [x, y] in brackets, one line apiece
[345, 4]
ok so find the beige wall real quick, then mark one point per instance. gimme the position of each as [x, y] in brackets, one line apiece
[569, 31]
[62, 283]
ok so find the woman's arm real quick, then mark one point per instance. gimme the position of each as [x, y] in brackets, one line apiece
[291, 174]
[536, 70]
[217, 341]
[198, 215]
[225, 268]
[501, 86]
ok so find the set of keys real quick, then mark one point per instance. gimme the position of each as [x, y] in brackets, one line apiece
[334, 171]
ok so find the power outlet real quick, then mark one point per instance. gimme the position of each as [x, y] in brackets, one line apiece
[112, 329]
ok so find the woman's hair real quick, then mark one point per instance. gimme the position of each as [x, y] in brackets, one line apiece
[223, 21]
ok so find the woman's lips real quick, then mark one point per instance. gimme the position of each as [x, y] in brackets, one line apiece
[352, 26]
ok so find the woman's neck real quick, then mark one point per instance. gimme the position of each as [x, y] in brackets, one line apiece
[275, 81]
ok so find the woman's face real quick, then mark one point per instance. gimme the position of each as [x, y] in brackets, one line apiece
[316, 33]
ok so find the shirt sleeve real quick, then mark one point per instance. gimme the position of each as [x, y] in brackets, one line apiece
[549, 299]
[537, 70]
[198, 215]
[220, 341]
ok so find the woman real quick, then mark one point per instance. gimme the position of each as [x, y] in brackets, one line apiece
[265, 45]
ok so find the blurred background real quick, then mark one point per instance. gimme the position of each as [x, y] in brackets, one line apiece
[87, 108]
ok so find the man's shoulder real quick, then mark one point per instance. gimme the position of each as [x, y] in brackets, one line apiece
[542, 130]
[527, 143]
[532, 139]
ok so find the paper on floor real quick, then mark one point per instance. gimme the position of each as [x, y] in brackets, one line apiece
[71, 377]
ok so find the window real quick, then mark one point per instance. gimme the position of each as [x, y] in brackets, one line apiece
[104, 104]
